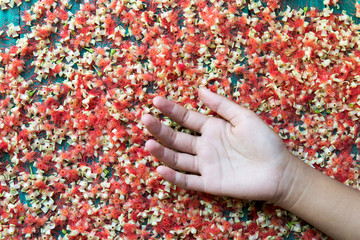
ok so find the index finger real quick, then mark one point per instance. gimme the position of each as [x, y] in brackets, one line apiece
[185, 117]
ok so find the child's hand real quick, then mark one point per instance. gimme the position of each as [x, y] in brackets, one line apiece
[239, 157]
[242, 157]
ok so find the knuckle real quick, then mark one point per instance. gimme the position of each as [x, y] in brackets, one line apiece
[157, 128]
[204, 125]
[217, 105]
[196, 164]
[186, 181]
[176, 160]
[173, 109]
[163, 152]
[173, 136]
[185, 117]
[192, 145]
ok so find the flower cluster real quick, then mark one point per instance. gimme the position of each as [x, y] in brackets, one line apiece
[78, 78]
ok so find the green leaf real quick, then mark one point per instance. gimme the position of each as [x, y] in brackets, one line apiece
[351, 105]
[306, 9]
[64, 231]
[60, 60]
[90, 50]
[31, 172]
[98, 72]
[112, 52]
[32, 93]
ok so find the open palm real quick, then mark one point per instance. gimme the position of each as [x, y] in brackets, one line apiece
[239, 157]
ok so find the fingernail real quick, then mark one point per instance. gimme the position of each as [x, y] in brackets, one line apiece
[202, 88]
[156, 100]
[160, 170]
[144, 117]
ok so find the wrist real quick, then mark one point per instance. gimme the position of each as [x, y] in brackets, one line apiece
[293, 183]
[320, 200]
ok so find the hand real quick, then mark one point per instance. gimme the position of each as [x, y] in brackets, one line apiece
[238, 156]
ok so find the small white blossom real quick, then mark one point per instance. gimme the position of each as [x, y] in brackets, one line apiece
[12, 30]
